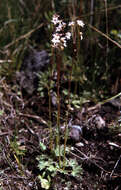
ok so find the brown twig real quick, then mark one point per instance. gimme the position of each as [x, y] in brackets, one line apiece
[34, 117]
[23, 36]
[116, 164]
[104, 35]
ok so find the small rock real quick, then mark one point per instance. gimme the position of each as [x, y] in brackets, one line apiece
[100, 123]
[34, 62]
[75, 133]
[96, 121]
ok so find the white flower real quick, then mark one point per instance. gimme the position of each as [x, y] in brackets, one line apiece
[81, 36]
[63, 39]
[55, 19]
[68, 35]
[56, 37]
[80, 23]
[71, 23]
[56, 40]
[65, 44]
[60, 26]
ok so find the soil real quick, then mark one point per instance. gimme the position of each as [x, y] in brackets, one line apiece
[24, 123]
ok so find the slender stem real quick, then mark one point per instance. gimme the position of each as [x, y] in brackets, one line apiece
[50, 122]
[67, 117]
[58, 103]
[107, 44]
[50, 106]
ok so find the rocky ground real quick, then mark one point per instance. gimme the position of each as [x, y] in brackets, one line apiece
[95, 135]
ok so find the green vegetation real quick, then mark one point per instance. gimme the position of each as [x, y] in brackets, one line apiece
[49, 167]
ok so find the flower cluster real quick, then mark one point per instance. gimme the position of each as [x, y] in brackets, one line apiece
[60, 37]
[79, 23]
